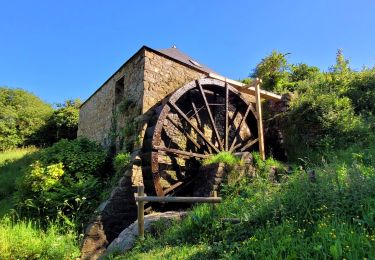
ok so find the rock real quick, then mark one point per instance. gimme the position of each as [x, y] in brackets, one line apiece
[94, 242]
[128, 236]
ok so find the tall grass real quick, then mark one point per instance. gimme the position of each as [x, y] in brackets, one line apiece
[12, 166]
[25, 240]
[11, 155]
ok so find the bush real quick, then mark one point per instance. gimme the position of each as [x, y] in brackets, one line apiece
[64, 183]
[319, 119]
[121, 162]
[362, 91]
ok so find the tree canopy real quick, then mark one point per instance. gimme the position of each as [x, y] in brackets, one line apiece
[21, 115]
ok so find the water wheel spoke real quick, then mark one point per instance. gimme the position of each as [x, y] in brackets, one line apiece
[182, 114]
[183, 132]
[249, 108]
[210, 115]
[180, 152]
[233, 119]
[248, 144]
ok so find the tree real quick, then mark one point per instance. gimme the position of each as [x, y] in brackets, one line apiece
[21, 115]
[62, 124]
[273, 70]
[302, 72]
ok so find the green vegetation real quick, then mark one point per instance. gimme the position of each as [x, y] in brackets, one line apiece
[62, 124]
[21, 115]
[64, 182]
[327, 215]
[222, 157]
[25, 240]
[27, 120]
[22, 238]
[328, 110]
[12, 167]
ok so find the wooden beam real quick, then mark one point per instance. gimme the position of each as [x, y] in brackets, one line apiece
[181, 152]
[247, 89]
[260, 121]
[179, 199]
[226, 134]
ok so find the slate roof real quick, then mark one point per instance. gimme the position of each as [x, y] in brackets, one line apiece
[177, 54]
[171, 53]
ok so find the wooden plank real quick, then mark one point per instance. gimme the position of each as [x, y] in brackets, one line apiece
[181, 152]
[179, 199]
[141, 221]
[247, 89]
[178, 110]
[260, 122]
[210, 115]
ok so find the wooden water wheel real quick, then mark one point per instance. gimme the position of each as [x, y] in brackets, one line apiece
[202, 118]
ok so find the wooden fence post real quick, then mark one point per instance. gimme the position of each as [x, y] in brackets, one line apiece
[260, 119]
[141, 222]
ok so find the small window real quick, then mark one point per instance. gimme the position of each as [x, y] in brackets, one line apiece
[119, 91]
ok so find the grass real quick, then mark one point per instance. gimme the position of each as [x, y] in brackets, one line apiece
[12, 165]
[223, 157]
[25, 240]
[330, 217]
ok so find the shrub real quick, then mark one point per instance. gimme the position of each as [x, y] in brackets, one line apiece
[64, 183]
[319, 120]
[121, 162]
[362, 91]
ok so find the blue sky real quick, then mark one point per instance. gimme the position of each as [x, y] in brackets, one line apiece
[67, 49]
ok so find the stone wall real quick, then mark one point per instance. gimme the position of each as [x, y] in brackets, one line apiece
[100, 116]
[95, 116]
[162, 76]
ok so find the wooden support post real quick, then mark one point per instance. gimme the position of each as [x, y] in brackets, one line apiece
[141, 222]
[214, 195]
[260, 120]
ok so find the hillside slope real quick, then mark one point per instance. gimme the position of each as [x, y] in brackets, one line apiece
[321, 210]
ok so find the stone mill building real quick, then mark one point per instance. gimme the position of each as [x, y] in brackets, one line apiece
[146, 78]
[197, 113]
